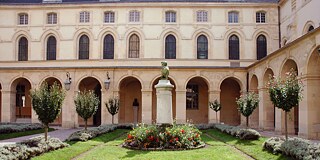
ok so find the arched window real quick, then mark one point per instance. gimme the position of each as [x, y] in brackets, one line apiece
[84, 47]
[234, 47]
[170, 47]
[310, 28]
[23, 49]
[51, 48]
[134, 46]
[261, 47]
[202, 47]
[108, 47]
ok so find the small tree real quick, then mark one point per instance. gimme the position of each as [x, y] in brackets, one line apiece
[285, 94]
[247, 103]
[86, 105]
[47, 103]
[216, 106]
[113, 106]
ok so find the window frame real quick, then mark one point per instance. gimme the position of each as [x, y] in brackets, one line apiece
[234, 47]
[52, 18]
[206, 47]
[202, 16]
[261, 47]
[233, 17]
[170, 47]
[109, 17]
[106, 45]
[51, 51]
[23, 49]
[134, 46]
[23, 19]
[261, 17]
[134, 16]
[83, 51]
[171, 16]
[84, 17]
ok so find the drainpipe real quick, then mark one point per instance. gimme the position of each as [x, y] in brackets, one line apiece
[247, 82]
[279, 24]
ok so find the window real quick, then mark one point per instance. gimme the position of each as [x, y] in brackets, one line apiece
[23, 19]
[170, 16]
[234, 47]
[52, 18]
[261, 47]
[170, 47]
[310, 28]
[293, 5]
[202, 47]
[233, 17]
[51, 48]
[84, 47]
[108, 47]
[202, 16]
[260, 17]
[192, 96]
[134, 16]
[134, 46]
[23, 49]
[109, 17]
[84, 17]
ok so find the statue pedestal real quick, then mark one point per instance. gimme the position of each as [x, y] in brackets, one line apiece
[164, 102]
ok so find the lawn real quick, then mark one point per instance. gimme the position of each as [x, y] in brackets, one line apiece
[107, 146]
[24, 133]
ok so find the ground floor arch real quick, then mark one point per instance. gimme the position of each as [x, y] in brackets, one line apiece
[197, 98]
[91, 83]
[230, 90]
[20, 95]
[130, 100]
[154, 99]
[254, 117]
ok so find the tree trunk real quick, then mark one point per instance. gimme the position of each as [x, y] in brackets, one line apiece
[112, 118]
[46, 132]
[247, 119]
[85, 124]
[285, 126]
[216, 117]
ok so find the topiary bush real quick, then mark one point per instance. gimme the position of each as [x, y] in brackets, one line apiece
[241, 133]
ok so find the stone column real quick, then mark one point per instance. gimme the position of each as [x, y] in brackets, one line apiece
[106, 118]
[146, 106]
[181, 112]
[164, 102]
[213, 116]
[279, 120]
[8, 109]
[69, 114]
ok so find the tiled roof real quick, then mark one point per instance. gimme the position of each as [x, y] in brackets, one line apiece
[133, 1]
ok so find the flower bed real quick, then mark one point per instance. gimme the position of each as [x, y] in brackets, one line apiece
[152, 137]
[18, 127]
[297, 148]
[242, 133]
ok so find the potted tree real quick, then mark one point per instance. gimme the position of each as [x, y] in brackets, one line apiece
[216, 106]
[247, 103]
[113, 106]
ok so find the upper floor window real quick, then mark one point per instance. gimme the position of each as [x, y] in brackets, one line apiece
[234, 47]
[23, 19]
[233, 17]
[52, 18]
[109, 17]
[261, 47]
[202, 47]
[84, 47]
[202, 16]
[108, 47]
[293, 5]
[51, 48]
[134, 16]
[170, 47]
[23, 49]
[260, 17]
[134, 46]
[84, 17]
[170, 16]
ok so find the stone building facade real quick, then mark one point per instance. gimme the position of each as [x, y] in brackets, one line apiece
[215, 50]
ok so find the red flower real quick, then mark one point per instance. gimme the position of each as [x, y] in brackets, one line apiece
[157, 139]
[130, 136]
[177, 139]
[189, 139]
[150, 138]
[197, 135]
[182, 131]
[171, 140]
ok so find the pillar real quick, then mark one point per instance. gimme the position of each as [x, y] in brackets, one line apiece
[181, 112]
[8, 111]
[146, 106]
[69, 114]
[213, 116]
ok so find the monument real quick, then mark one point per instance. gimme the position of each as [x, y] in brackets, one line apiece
[164, 97]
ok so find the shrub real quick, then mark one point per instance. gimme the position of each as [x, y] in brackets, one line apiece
[18, 127]
[113, 106]
[247, 103]
[245, 134]
[30, 148]
[273, 144]
[216, 106]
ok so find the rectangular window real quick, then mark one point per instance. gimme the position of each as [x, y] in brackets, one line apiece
[84, 17]
[134, 16]
[202, 16]
[233, 17]
[109, 17]
[23, 19]
[52, 18]
[170, 16]
[260, 17]
[192, 96]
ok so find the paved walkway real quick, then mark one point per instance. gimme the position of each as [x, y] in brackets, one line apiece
[60, 133]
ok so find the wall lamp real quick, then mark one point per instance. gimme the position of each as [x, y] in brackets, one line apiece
[107, 82]
[67, 82]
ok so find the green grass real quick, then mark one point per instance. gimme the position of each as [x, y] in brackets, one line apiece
[251, 147]
[107, 146]
[24, 133]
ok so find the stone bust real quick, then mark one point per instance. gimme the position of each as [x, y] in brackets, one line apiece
[164, 71]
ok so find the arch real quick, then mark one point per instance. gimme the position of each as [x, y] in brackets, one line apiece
[21, 107]
[130, 89]
[141, 36]
[261, 45]
[91, 83]
[269, 117]
[50, 32]
[154, 98]
[170, 47]
[125, 76]
[206, 79]
[230, 90]
[234, 47]
[287, 65]
[76, 37]
[84, 77]
[237, 79]
[197, 99]
[209, 37]
[254, 118]
[309, 26]
[102, 34]
[176, 35]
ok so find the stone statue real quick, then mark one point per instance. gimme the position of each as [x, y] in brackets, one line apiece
[164, 71]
